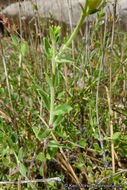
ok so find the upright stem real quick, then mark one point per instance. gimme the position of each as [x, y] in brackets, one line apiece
[52, 88]
[52, 91]
[83, 15]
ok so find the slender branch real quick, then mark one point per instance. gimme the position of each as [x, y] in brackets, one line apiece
[105, 178]
[32, 181]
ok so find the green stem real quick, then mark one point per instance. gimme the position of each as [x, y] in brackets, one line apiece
[52, 88]
[52, 91]
[53, 59]
[83, 15]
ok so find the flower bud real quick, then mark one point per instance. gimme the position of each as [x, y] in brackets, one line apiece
[93, 4]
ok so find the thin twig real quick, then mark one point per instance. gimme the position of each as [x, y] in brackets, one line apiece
[102, 179]
[19, 183]
[92, 158]
[5, 116]
[32, 181]
[6, 74]
[113, 75]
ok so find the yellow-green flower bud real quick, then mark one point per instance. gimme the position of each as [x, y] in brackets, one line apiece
[93, 4]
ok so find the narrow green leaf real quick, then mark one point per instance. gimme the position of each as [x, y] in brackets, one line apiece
[57, 120]
[45, 98]
[35, 7]
[15, 40]
[83, 10]
[116, 136]
[36, 131]
[46, 47]
[52, 33]
[64, 60]
[49, 80]
[41, 170]
[21, 154]
[24, 47]
[41, 156]
[43, 133]
[22, 169]
[79, 165]
[30, 102]
[62, 109]
[96, 146]
[54, 144]
[82, 142]
[57, 78]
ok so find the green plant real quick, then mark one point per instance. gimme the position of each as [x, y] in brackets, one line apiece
[51, 121]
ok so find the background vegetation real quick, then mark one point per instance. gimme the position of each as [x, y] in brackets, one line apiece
[63, 115]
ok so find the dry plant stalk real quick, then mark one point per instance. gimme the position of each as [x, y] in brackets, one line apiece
[6, 73]
[5, 116]
[65, 160]
[111, 130]
[31, 181]
[19, 183]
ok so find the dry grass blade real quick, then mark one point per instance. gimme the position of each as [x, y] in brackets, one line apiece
[5, 116]
[111, 130]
